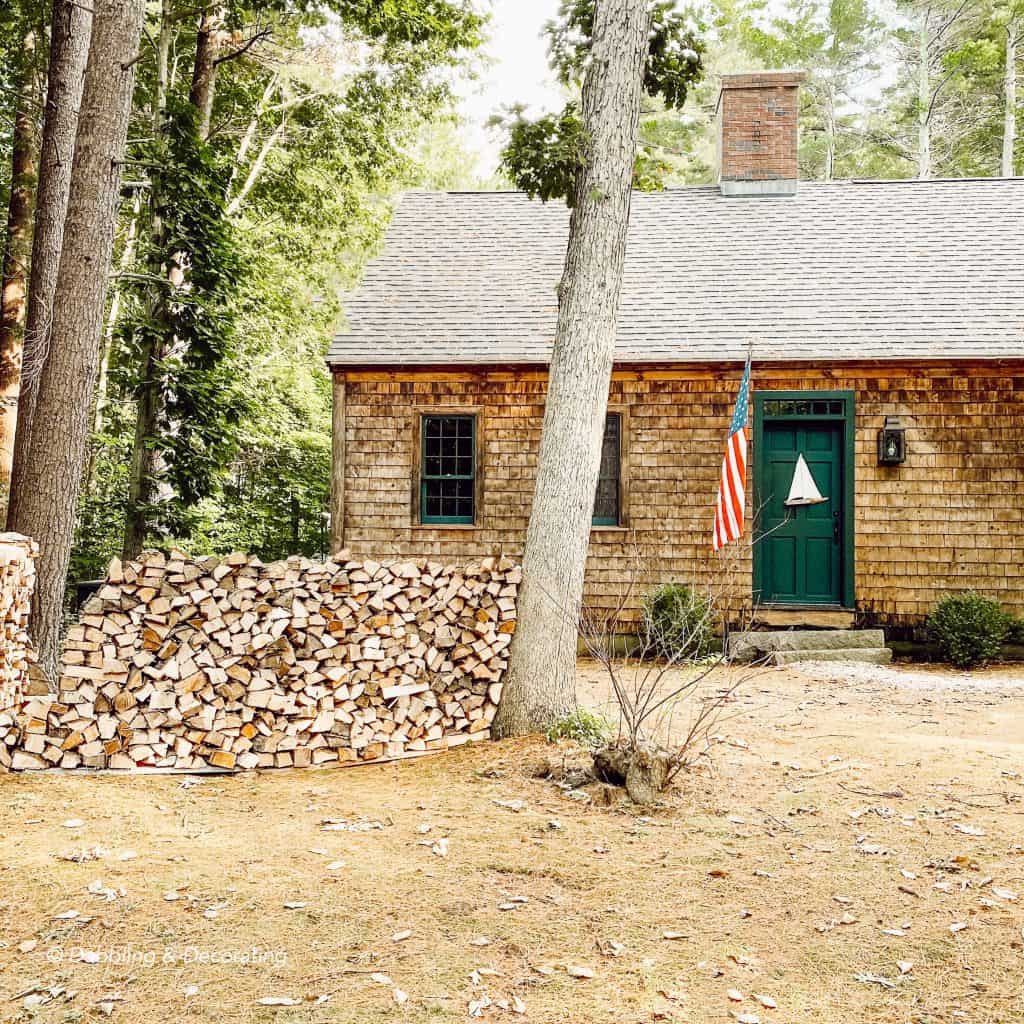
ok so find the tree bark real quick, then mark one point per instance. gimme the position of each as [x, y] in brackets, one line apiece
[16, 256]
[70, 29]
[209, 40]
[924, 102]
[541, 683]
[53, 468]
[1010, 100]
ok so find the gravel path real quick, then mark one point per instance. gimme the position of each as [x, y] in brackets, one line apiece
[914, 677]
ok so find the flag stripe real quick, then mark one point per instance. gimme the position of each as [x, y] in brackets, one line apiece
[729, 507]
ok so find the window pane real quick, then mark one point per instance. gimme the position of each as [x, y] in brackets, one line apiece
[606, 500]
[447, 489]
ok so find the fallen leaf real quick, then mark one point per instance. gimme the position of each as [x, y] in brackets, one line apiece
[957, 926]
[172, 895]
[73, 823]
[735, 995]
[672, 936]
[380, 979]
[400, 997]
[767, 1002]
[335, 865]
[905, 966]
[748, 1018]
[294, 906]
[401, 936]
[190, 990]
[1004, 894]
[28, 945]
[480, 940]
[579, 972]
[279, 1001]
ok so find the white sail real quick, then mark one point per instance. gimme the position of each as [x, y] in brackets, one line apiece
[803, 490]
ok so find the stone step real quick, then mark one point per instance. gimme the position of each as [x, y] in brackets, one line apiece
[753, 645]
[869, 655]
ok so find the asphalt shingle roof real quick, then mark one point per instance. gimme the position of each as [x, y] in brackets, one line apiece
[845, 270]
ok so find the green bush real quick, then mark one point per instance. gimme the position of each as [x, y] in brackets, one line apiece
[678, 623]
[584, 727]
[1015, 631]
[969, 629]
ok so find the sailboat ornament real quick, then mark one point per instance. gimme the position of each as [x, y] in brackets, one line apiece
[803, 490]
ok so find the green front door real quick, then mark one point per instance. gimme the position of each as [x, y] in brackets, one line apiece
[800, 550]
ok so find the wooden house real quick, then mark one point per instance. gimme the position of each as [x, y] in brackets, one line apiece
[887, 324]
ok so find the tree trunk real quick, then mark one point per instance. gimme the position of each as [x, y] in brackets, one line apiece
[53, 468]
[541, 684]
[124, 264]
[204, 71]
[830, 138]
[924, 103]
[69, 46]
[1010, 100]
[16, 257]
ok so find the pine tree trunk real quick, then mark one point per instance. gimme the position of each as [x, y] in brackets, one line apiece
[1010, 100]
[70, 29]
[53, 469]
[16, 257]
[541, 683]
[924, 103]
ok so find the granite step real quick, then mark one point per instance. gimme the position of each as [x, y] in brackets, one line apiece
[868, 655]
[758, 644]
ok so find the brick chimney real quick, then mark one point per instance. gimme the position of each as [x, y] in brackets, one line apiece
[757, 133]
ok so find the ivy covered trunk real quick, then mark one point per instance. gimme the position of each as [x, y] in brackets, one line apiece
[69, 47]
[16, 253]
[53, 468]
[541, 682]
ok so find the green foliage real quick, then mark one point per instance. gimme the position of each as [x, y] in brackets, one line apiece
[587, 728]
[678, 623]
[1015, 630]
[969, 629]
[270, 221]
[543, 155]
[674, 55]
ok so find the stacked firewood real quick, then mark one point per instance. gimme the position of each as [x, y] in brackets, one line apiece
[17, 581]
[229, 663]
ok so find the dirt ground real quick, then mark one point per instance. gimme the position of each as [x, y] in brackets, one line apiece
[851, 851]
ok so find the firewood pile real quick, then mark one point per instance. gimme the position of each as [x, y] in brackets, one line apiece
[229, 663]
[17, 580]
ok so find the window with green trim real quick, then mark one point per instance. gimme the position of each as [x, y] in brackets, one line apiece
[607, 499]
[448, 469]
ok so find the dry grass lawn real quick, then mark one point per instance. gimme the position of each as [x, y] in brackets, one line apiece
[898, 811]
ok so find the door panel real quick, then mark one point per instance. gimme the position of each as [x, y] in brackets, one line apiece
[801, 550]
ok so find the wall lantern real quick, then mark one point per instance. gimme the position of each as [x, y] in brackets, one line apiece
[892, 443]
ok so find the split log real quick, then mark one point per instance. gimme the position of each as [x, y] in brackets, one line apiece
[228, 663]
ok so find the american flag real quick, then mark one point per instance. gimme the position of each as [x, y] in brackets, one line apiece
[732, 487]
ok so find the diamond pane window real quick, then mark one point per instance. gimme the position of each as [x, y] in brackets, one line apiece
[448, 477]
[606, 501]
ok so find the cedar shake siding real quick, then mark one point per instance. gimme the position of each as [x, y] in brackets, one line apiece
[950, 518]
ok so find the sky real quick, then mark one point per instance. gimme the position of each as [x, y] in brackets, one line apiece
[518, 73]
